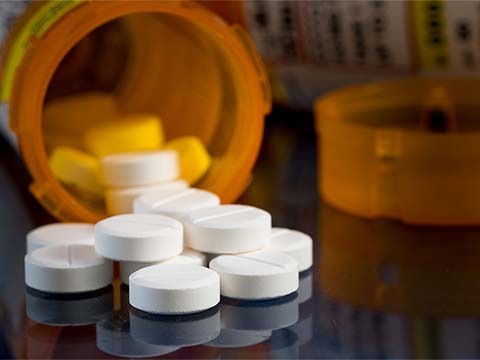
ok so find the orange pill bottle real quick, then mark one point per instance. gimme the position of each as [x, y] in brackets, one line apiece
[176, 59]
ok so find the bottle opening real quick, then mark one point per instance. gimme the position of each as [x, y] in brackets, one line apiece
[193, 72]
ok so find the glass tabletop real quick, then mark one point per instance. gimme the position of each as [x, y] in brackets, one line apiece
[377, 289]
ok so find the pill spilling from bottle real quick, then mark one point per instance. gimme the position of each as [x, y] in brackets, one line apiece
[178, 247]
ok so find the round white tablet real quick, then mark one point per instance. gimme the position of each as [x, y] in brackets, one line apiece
[139, 237]
[120, 200]
[70, 268]
[294, 243]
[227, 229]
[257, 275]
[59, 233]
[176, 204]
[188, 256]
[139, 168]
[174, 289]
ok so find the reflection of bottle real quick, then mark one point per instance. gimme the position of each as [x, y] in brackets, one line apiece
[316, 46]
[390, 266]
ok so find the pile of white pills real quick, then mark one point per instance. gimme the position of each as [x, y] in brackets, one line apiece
[163, 246]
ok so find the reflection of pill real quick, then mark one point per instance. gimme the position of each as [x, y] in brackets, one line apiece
[305, 286]
[175, 330]
[69, 268]
[174, 289]
[59, 233]
[139, 168]
[266, 315]
[194, 158]
[188, 256]
[139, 237]
[230, 338]
[68, 310]
[113, 337]
[294, 243]
[227, 229]
[120, 200]
[176, 204]
[257, 275]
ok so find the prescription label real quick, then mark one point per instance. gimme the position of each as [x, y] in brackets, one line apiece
[316, 46]
[358, 34]
[35, 27]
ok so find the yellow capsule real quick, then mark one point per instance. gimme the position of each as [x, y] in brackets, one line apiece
[125, 134]
[194, 157]
[76, 169]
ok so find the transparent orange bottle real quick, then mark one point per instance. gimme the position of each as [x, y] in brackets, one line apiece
[171, 58]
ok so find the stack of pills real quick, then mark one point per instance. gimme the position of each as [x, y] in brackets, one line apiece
[162, 250]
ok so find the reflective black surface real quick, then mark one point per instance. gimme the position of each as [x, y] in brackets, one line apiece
[378, 289]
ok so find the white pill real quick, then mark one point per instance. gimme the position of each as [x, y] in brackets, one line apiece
[139, 237]
[227, 229]
[294, 243]
[59, 233]
[188, 256]
[70, 268]
[139, 168]
[176, 204]
[120, 200]
[257, 275]
[174, 289]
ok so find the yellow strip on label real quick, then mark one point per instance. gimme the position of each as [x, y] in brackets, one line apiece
[431, 34]
[40, 22]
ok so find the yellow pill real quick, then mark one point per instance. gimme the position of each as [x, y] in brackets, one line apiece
[76, 169]
[194, 157]
[125, 134]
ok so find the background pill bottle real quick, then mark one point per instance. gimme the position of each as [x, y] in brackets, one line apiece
[176, 59]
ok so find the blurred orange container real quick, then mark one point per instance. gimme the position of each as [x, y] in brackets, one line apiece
[175, 59]
[407, 149]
